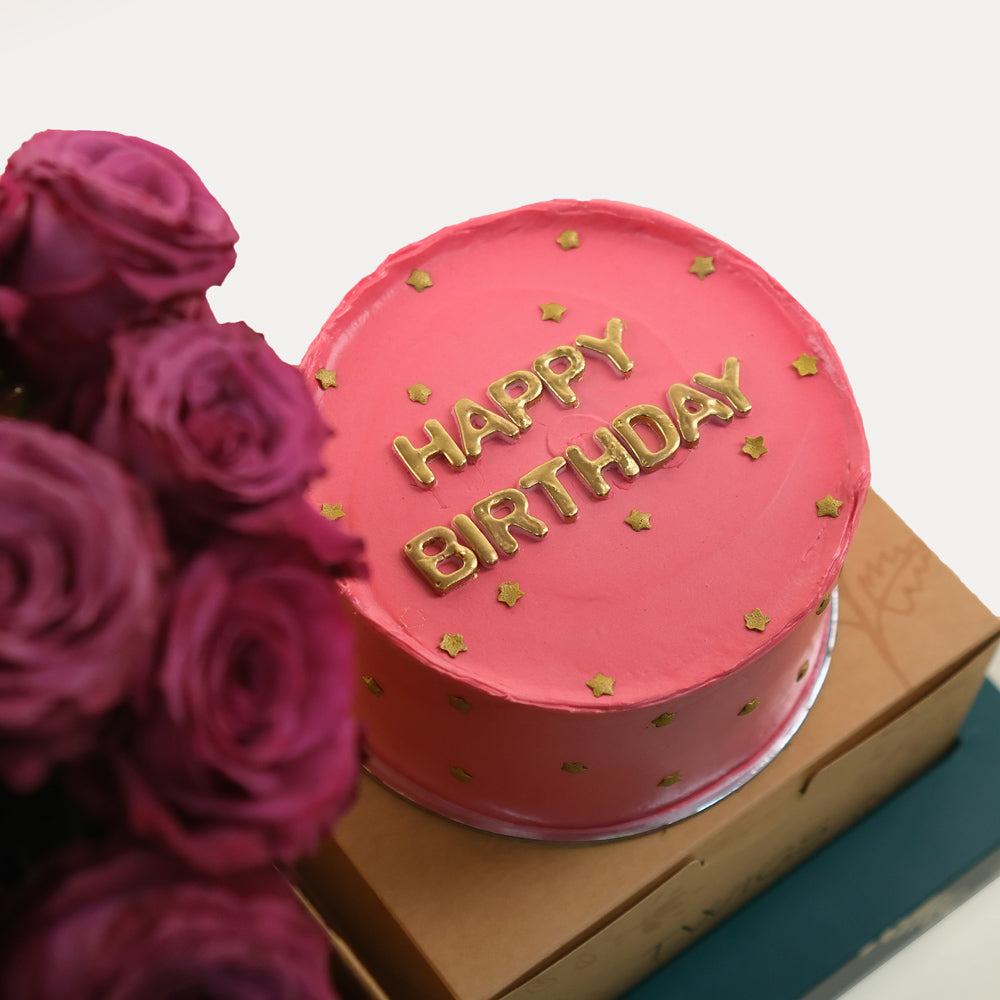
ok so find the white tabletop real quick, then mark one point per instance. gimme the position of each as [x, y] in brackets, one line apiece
[850, 149]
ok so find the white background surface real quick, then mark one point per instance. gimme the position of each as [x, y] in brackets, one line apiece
[850, 149]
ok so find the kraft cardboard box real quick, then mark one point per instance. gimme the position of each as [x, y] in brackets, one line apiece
[437, 911]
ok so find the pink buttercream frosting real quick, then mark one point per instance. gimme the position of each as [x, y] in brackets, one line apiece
[484, 735]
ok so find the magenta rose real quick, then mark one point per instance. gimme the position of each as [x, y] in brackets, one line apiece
[210, 418]
[80, 565]
[138, 926]
[116, 229]
[245, 750]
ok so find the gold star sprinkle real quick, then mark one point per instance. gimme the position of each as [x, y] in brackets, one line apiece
[419, 280]
[756, 620]
[373, 686]
[823, 605]
[805, 364]
[331, 511]
[754, 447]
[602, 684]
[459, 703]
[664, 720]
[638, 520]
[803, 670]
[749, 707]
[552, 311]
[702, 267]
[828, 507]
[670, 779]
[326, 378]
[568, 239]
[574, 767]
[419, 393]
[460, 774]
[453, 644]
[509, 593]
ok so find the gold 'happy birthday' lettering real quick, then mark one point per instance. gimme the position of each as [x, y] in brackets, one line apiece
[446, 556]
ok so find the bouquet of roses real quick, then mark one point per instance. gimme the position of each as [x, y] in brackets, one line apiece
[174, 669]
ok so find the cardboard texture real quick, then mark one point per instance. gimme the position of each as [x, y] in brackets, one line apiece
[437, 911]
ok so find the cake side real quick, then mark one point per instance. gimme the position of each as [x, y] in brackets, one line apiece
[546, 772]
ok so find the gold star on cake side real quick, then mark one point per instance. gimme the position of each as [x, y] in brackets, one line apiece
[419, 393]
[453, 644]
[670, 779]
[602, 684]
[756, 620]
[509, 593]
[638, 520]
[664, 720]
[805, 364]
[568, 239]
[373, 686]
[828, 507]
[574, 767]
[326, 378]
[331, 511]
[749, 707]
[460, 774]
[824, 604]
[552, 311]
[419, 280]
[754, 447]
[459, 703]
[702, 267]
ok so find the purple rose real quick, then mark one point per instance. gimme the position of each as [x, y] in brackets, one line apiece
[210, 418]
[244, 750]
[138, 926]
[80, 562]
[115, 229]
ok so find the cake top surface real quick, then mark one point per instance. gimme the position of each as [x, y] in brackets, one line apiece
[742, 463]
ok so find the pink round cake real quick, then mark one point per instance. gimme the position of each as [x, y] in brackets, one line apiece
[607, 472]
